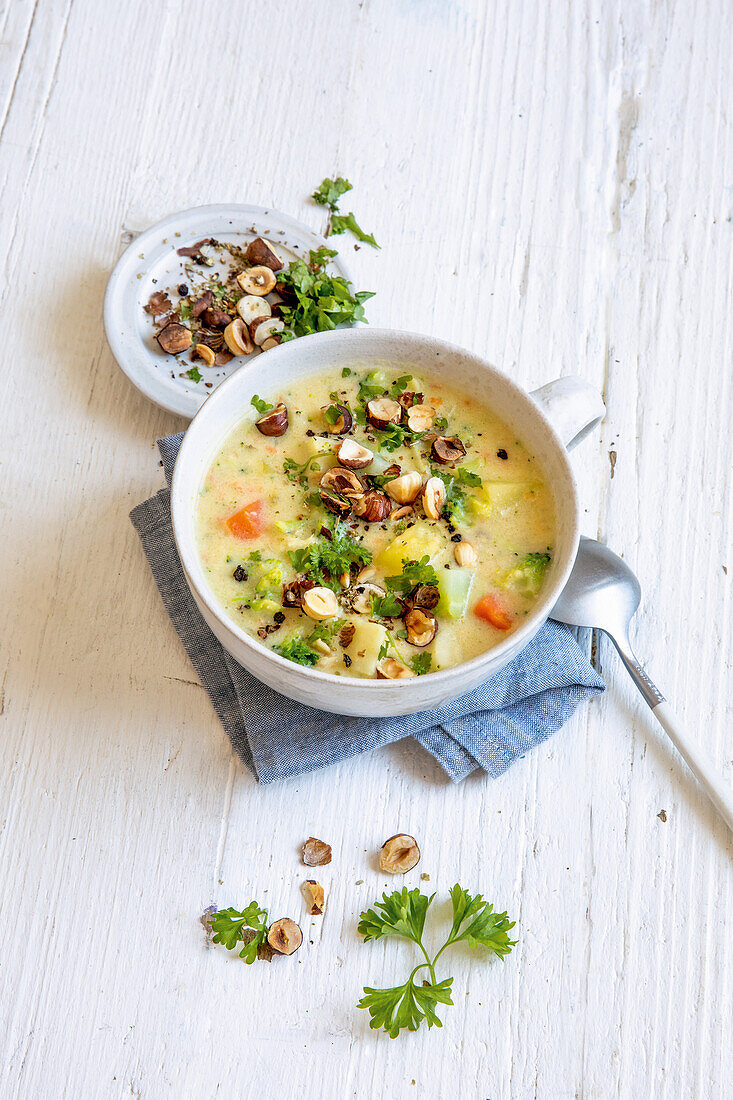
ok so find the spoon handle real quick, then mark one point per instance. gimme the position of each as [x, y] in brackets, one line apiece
[718, 791]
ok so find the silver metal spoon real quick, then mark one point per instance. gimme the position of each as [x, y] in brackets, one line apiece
[602, 592]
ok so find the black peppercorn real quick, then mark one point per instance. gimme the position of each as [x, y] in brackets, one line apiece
[183, 290]
[239, 574]
[347, 660]
[501, 453]
[456, 538]
[279, 617]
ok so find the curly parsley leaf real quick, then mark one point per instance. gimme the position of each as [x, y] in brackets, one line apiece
[413, 574]
[475, 921]
[421, 663]
[327, 558]
[405, 1006]
[330, 191]
[401, 913]
[261, 406]
[248, 928]
[298, 651]
[386, 607]
[194, 374]
[298, 472]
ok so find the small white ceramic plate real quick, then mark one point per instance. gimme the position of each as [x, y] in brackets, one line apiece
[152, 263]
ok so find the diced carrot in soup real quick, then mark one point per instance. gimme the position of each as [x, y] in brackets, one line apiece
[492, 610]
[247, 523]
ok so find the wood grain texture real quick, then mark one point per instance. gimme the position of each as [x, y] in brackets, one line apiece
[552, 185]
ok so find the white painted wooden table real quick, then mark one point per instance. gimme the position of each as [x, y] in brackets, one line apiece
[552, 185]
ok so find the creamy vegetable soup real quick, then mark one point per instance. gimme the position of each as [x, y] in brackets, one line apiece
[373, 524]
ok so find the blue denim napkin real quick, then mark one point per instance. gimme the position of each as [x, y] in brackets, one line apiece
[487, 728]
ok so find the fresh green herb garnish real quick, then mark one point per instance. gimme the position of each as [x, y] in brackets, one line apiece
[194, 374]
[329, 194]
[403, 914]
[385, 647]
[341, 222]
[440, 423]
[527, 575]
[254, 555]
[386, 607]
[298, 651]
[455, 498]
[298, 472]
[399, 385]
[373, 385]
[421, 663]
[330, 191]
[333, 414]
[346, 373]
[325, 631]
[378, 481]
[323, 301]
[413, 574]
[261, 406]
[466, 477]
[326, 559]
[233, 928]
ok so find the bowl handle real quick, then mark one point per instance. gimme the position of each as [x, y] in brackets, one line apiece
[572, 406]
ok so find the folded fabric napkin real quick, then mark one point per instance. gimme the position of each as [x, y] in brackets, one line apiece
[487, 728]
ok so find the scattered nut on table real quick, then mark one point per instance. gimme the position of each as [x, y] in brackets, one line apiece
[316, 853]
[399, 854]
[284, 936]
[315, 898]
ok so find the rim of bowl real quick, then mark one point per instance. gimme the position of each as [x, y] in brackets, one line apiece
[536, 617]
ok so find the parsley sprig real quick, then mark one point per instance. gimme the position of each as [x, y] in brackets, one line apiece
[329, 194]
[327, 558]
[413, 573]
[403, 914]
[248, 928]
[321, 300]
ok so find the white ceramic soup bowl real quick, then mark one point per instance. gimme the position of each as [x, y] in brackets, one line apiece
[547, 421]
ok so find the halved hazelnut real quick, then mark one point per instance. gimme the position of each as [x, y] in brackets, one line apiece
[420, 418]
[316, 853]
[465, 554]
[361, 595]
[291, 595]
[284, 936]
[340, 506]
[320, 603]
[405, 488]
[271, 342]
[204, 352]
[237, 338]
[174, 338]
[373, 507]
[343, 424]
[383, 411]
[250, 308]
[421, 626]
[391, 669]
[433, 498]
[399, 854]
[263, 329]
[447, 450]
[426, 596]
[342, 481]
[257, 280]
[274, 422]
[400, 513]
[261, 253]
[315, 898]
[352, 455]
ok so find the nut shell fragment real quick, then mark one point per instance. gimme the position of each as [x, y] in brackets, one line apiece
[274, 422]
[284, 936]
[258, 280]
[316, 853]
[373, 507]
[315, 897]
[174, 338]
[343, 481]
[399, 854]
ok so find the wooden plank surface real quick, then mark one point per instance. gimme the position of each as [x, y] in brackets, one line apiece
[552, 186]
